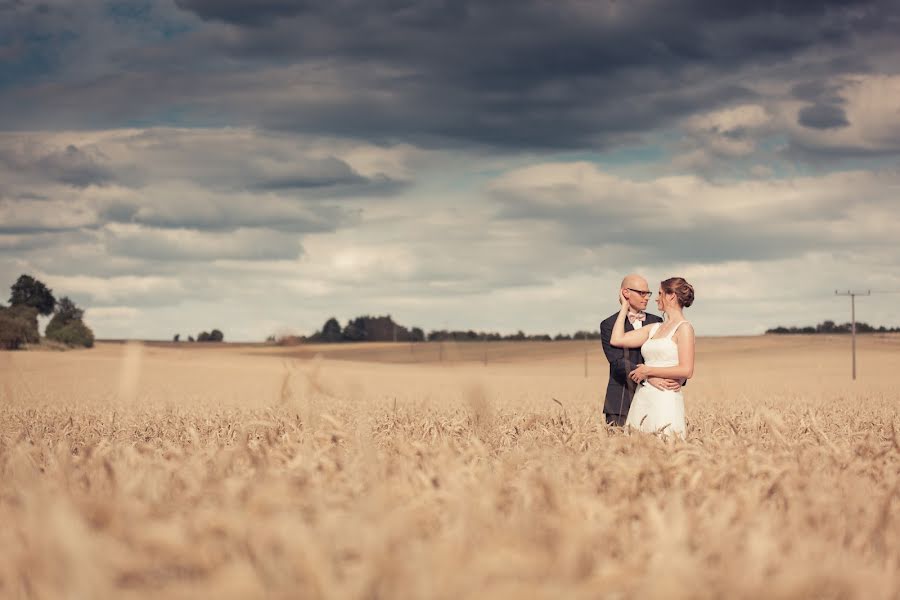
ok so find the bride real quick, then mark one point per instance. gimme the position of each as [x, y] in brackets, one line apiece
[668, 349]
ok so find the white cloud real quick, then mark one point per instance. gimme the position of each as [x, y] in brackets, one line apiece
[849, 208]
[20, 215]
[731, 133]
[536, 247]
[193, 245]
[110, 290]
[115, 313]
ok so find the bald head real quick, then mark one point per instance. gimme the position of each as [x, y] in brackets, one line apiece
[634, 282]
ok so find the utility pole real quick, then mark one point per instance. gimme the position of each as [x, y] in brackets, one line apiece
[585, 354]
[853, 296]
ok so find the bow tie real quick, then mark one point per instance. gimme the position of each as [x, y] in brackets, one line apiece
[636, 316]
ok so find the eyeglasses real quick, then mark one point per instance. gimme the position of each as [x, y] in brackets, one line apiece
[641, 292]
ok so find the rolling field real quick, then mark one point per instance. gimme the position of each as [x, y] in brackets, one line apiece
[462, 471]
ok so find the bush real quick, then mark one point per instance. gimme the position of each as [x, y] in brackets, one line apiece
[286, 340]
[57, 322]
[73, 333]
[67, 325]
[18, 325]
[211, 336]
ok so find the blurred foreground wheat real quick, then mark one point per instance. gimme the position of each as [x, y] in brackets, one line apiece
[321, 480]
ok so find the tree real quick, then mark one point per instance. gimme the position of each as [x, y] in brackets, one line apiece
[203, 337]
[355, 331]
[331, 331]
[68, 311]
[176, 338]
[826, 327]
[28, 291]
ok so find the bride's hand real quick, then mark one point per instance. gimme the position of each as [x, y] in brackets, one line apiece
[639, 374]
[665, 385]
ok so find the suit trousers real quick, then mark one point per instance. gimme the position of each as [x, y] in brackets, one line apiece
[616, 420]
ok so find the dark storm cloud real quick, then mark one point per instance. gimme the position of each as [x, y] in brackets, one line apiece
[534, 74]
[33, 229]
[328, 176]
[74, 167]
[823, 116]
[826, 110]
[512, 46]
[70, 166]
[509, 74]
[31, 196]
[245, 13]
[309, 178]
[379, 185]
[228, 215]
[235, 161]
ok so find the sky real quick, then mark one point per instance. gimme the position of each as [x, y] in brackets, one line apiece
[259, 166]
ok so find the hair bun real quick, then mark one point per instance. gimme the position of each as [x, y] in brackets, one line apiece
[682, 290]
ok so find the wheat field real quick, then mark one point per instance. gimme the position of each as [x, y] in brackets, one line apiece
[462, 471]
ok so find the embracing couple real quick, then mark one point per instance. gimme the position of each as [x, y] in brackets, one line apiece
[650, 358]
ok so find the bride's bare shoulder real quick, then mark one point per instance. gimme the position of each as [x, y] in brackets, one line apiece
[685, 328]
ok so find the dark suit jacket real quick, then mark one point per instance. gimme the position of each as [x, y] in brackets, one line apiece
[622, 361]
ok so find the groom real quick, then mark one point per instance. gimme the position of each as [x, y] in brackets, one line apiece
[622, 361]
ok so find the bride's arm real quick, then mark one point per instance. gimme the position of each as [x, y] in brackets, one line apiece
[631, 339]
[684, 338]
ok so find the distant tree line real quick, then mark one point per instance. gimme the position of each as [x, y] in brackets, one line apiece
[366, 329]
[215, 335]
[832, 327]
[29, 298]
[384, 329]
[520, 336]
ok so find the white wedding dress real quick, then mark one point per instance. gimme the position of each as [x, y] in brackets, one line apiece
[653, 409]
